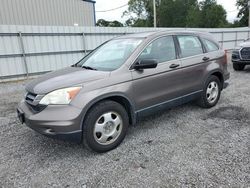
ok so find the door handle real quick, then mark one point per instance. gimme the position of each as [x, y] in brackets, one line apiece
[173, 66]
[205, 58]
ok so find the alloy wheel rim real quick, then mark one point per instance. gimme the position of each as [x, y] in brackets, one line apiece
[108, 128]
[212, 92]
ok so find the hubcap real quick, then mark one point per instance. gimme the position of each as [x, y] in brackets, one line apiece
[108, 128]
[212, 92]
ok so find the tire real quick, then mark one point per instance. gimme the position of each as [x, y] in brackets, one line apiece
[238, 67]
[105, 126]
[209, 98]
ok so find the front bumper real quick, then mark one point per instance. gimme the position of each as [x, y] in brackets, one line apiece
[238, 58]
[239, 61]
[57, 121]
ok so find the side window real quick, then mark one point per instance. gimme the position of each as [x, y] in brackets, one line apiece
[162, 49]
[190, 45]
[211, 46]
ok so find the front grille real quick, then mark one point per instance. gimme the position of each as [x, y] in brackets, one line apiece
[245, 53]
[33, 100]
[235, 55]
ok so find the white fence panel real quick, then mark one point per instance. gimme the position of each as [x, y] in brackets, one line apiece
[29, 50]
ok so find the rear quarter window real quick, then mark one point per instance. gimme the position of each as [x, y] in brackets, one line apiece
[210, 45]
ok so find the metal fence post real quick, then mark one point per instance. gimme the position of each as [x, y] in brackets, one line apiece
[84, 43]
[23, 53]
[236, 40]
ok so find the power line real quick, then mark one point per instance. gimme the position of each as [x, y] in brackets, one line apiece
[112, 8]
[233, 10]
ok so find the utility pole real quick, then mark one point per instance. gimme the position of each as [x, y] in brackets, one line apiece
[248, 13]
[155, 13]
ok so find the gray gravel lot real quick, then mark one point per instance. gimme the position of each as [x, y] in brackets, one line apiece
[183, 147]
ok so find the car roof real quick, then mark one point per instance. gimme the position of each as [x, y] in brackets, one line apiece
[152, 34]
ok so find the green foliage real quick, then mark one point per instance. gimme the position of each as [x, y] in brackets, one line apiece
[214, 15]
[104, 23]
[174, 13]
[177, 13]
[243, 13]
[140, 13]
[194, 18]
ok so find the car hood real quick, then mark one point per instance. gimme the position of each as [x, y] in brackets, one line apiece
[244, 44]
[63, 78]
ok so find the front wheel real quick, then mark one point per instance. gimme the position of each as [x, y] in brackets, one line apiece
[238, 67]
[211, 92]
[105, 126]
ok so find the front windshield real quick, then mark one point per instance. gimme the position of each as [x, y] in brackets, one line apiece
[111, 55]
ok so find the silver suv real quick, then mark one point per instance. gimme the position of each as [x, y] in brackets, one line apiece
[241, 56]
[96, 99]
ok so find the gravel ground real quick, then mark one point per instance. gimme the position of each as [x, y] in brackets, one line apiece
[183, 147]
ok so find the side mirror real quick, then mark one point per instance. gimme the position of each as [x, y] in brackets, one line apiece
[145, 64]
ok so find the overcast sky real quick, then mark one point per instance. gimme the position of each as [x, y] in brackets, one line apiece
[102, 5]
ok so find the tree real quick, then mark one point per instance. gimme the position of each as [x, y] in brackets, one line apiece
[212, 14]
[243, 13]
[104, 23]
[140, 13]
[194, 17]
[115, 24]
[176, 13]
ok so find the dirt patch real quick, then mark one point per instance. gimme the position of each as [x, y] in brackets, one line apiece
[230, 113]
[7, 109]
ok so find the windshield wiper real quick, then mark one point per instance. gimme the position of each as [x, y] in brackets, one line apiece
[88, 67]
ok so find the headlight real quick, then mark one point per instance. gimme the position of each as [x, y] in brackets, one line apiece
[60, 96]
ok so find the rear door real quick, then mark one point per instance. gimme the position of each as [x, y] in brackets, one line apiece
[194, 62]
[154, 86]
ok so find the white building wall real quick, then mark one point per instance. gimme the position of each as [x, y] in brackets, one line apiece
[47, 12]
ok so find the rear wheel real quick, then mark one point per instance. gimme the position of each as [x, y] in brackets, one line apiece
[238, 67]
[211, 92]
[105, 126]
